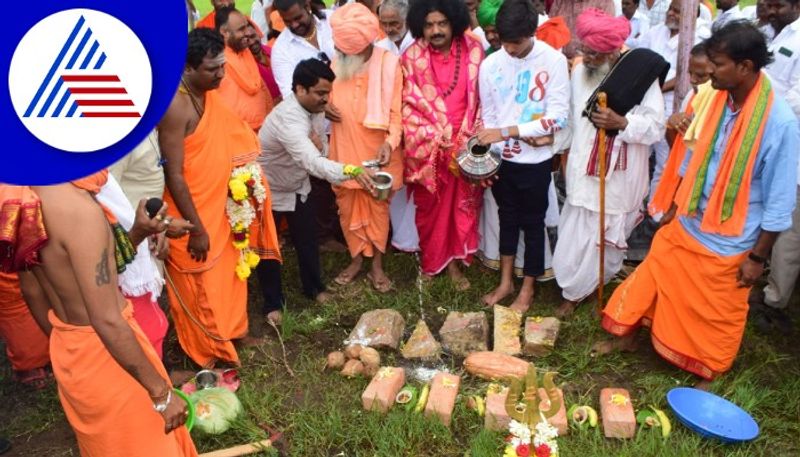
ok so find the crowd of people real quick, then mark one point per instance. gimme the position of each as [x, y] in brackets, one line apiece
[285, 119]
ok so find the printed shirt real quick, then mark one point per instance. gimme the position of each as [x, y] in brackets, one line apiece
[784, 72]
[531, 93]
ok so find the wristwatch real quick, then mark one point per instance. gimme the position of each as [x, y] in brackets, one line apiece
[757, 258]
[161, 407]
[505, 133]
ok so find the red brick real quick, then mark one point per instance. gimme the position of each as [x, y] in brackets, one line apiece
[442, 398]
[559, 421]
[496, 417]
[381, 391]
[619, 421]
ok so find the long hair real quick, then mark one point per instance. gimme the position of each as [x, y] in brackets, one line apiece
[454, 10]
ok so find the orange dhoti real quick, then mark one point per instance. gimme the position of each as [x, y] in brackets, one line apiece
[208, 301]
[689, 297]
[365, 221]
[111, 413]
[26, 343]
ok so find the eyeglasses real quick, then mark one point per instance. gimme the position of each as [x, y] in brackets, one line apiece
[324, 57]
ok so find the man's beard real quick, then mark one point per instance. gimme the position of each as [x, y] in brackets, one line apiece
[395, 37]
[346, 66]
[594, 76]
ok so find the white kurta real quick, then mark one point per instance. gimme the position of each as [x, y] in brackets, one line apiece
[576, 257]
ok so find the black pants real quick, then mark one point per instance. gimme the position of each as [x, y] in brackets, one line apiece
[303, 233]
[521, 196]
[326, 212]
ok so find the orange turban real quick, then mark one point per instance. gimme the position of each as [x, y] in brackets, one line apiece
[601, 32]
[554, 32]
[354, 28]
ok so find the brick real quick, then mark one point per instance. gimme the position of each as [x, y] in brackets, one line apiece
[378, 328]
[507, 323]
[382, 390]
[496, 417]
[421, 344]
[540, 335]
[463, 333]
[559, 421]
[619, 421]
[442, 398]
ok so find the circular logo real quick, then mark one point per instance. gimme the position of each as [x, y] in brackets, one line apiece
[80, 80]
[88, 81]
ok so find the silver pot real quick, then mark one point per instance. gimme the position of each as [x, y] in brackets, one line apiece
[383, 184]
[478, 162]
[205, 379]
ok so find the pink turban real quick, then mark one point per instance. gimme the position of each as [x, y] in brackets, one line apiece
[601, 32]
[354, 28]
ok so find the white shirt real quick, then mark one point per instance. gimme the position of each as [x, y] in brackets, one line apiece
[290, 49]
[784, 72]
[625, 189]
[532, 93]
[639, 27]
[390, 45]
[705, 14]
[288, 156]
[657, 14]
[259, 16]
[478, 31]
[658, 39]
[733, 14]
[749, 12]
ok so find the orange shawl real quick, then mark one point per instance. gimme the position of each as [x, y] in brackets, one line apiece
[726, 212]
[243, 89]
[670, 178]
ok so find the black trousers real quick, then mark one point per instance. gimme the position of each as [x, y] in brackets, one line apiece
[326, 211]
[521, 196]
[303, 233]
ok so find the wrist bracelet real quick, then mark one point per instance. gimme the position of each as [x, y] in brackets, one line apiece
[161, 407]
[352, 171]
[757, 258]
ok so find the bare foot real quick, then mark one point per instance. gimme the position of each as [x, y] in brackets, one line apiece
[276, 317]
[350, 273]
[703, 384]
[618, 344]
[496, 296]
[249, 342]
[460, 282]
[380, 282]
[566, 309]
[523, 300]
[323, 297]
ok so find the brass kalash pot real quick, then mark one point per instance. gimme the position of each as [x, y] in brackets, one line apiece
[478, 162]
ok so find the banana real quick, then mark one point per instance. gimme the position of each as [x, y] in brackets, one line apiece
[423, 398]
[481, 405]
[666, 425]
[592, 416]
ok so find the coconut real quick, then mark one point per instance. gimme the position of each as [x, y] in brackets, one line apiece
[336, 360]
[352, 351]
[370, 357]
[352, 368]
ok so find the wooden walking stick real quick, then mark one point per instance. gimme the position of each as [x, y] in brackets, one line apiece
[602, 102]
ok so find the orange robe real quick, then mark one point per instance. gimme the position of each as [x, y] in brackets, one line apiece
[26, 343]
[208, 301]
[243, 88]
[111, 413]
[697, 313]
[365, 220]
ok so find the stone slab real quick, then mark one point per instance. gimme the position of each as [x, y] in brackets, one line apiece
[382, 390]
[378, 328]
[463, 333]
[540, 335]
[421, 344]
[507, 324]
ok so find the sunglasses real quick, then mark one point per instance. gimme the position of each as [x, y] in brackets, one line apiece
[324, 57]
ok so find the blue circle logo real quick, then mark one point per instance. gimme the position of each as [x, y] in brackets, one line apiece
[86, 83]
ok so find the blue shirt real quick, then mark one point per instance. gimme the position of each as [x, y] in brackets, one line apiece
[773, 189]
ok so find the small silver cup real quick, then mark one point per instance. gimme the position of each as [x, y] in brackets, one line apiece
[205, 379]
[383, 184]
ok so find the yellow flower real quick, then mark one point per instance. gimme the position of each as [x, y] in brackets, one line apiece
[242, 244]
[242, 271]
[244, 177]
[252, 259]
[238, 190]
[510, 451]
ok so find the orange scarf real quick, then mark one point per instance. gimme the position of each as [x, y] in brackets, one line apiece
[383, 67]
[670, 178]
[243, 68]
[726, 212]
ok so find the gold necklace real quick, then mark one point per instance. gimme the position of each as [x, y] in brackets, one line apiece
[312, 35]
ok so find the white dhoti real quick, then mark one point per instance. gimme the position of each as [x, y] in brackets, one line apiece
[402, 212]
[489, 229]
[577, 255]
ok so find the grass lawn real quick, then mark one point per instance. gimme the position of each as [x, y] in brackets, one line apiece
[320, 412]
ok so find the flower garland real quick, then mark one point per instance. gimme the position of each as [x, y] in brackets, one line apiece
[244, 186]
[542, 444]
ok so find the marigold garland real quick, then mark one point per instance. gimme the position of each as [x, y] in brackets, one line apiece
[245, 187]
